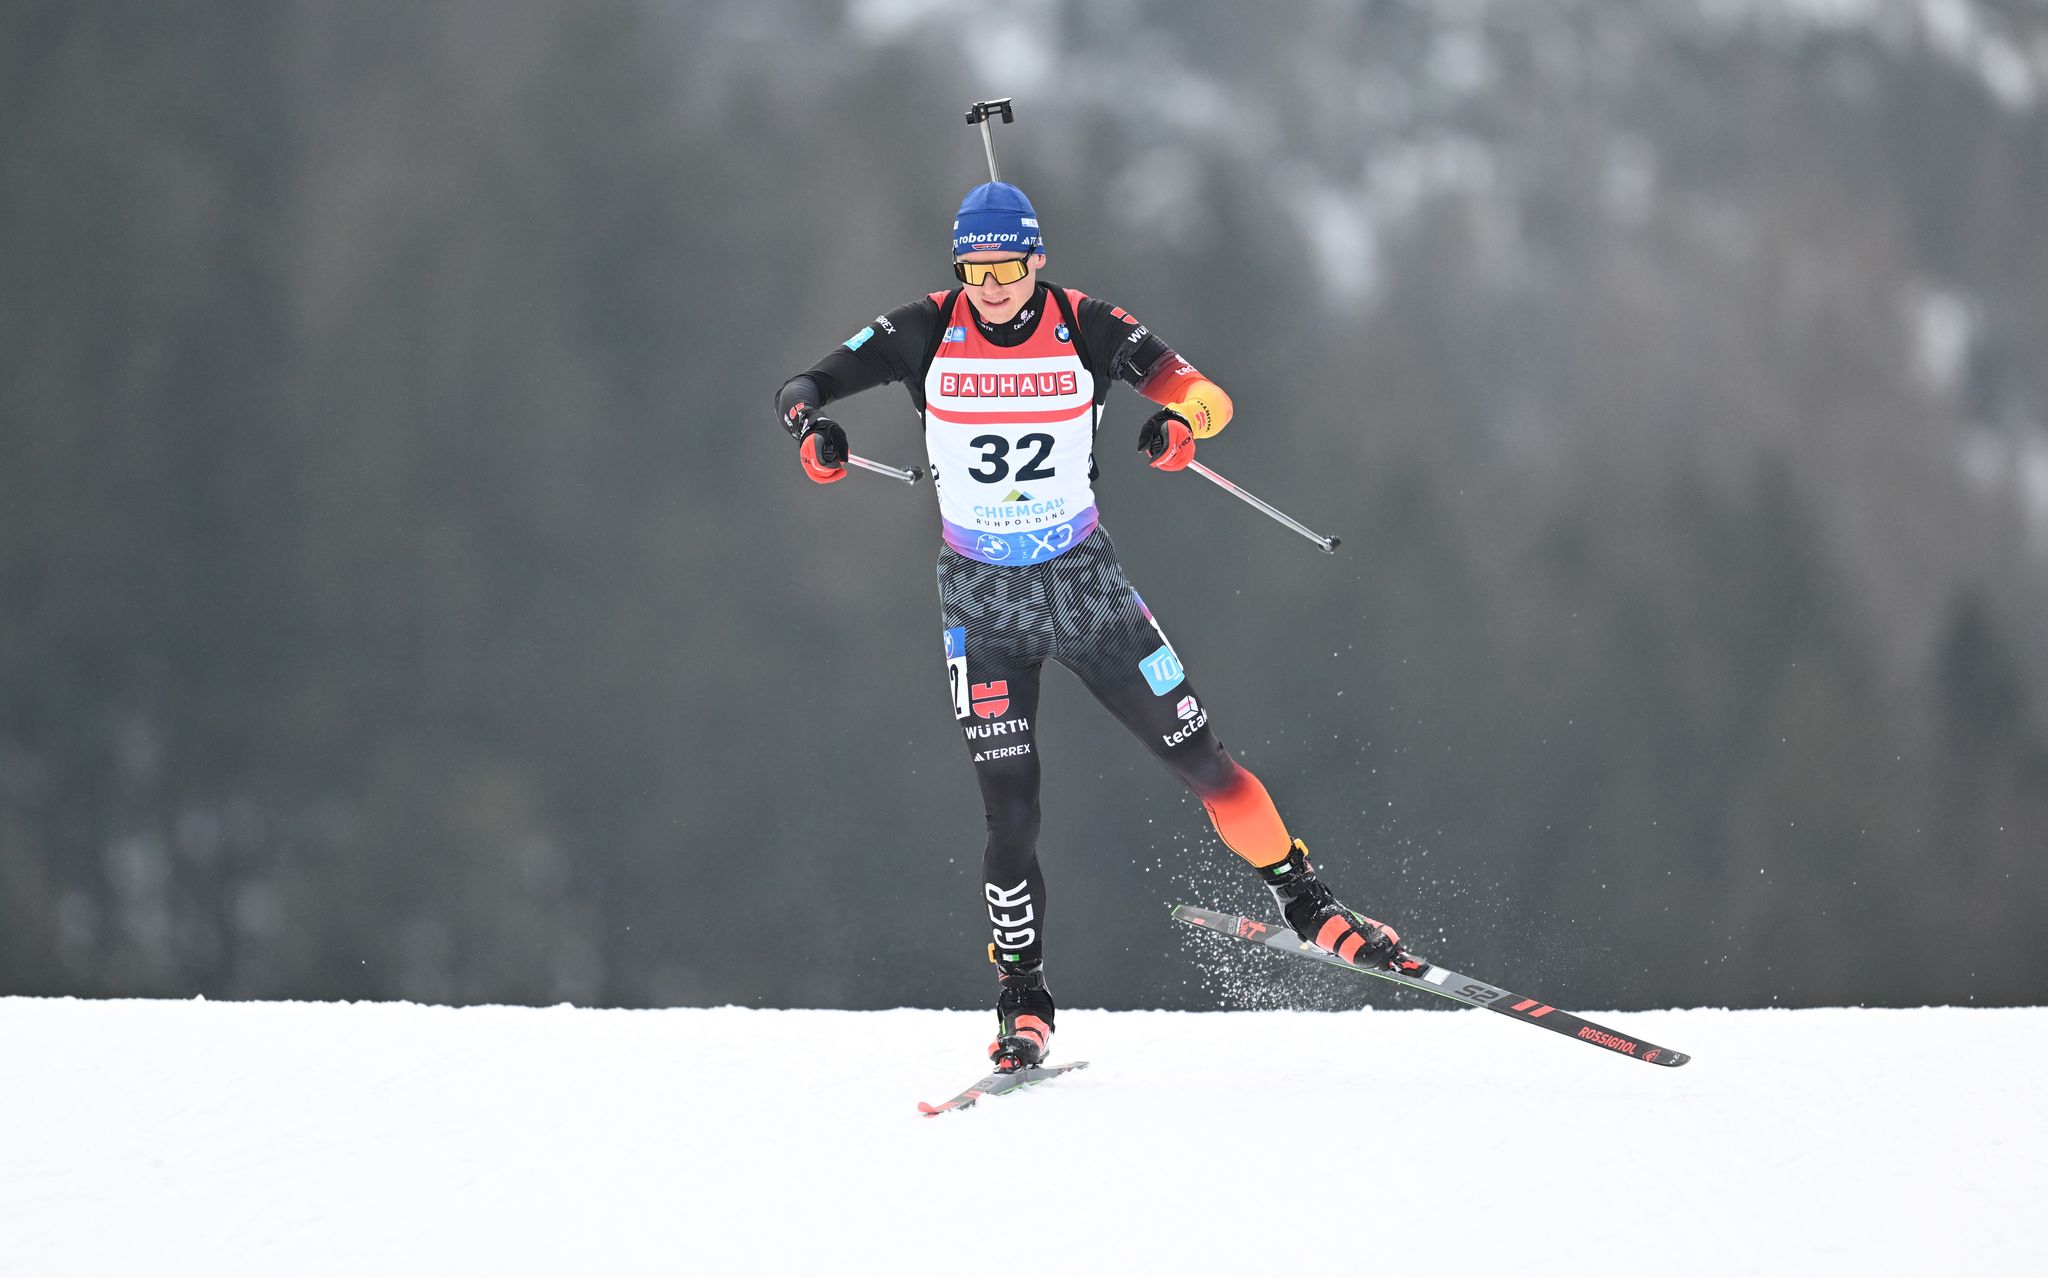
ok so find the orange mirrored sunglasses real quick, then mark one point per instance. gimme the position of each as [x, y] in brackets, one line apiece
[1007, 271]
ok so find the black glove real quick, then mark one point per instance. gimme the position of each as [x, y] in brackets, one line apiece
[820, 441]
[1167, 439]
[830, 437]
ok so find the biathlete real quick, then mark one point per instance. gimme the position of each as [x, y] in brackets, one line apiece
[1009, 374]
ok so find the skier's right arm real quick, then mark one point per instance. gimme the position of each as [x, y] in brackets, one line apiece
[891, 349]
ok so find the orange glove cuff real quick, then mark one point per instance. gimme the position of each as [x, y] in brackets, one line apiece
[1207, 408]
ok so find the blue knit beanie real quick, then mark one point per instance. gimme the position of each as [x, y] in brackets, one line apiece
[994, 218]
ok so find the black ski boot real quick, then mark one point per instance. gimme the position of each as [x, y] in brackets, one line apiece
[1320, 919]
[1023, 1017]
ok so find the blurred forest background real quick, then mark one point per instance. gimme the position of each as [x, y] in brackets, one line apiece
[405, 590]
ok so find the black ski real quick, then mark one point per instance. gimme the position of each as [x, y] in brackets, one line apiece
[1436, 980]
[999, 1083]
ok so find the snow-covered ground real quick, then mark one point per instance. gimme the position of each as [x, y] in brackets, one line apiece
[378, 1139]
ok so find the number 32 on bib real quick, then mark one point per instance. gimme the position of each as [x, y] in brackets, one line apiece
[1009, 431]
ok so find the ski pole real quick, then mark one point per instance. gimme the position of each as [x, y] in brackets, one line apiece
[1329, 544]
[979, 114]
[910, 476]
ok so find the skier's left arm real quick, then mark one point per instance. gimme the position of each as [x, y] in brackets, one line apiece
[1194, 406]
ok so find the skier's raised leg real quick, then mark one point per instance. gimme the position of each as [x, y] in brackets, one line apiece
[1137, 676]
[1249, 824]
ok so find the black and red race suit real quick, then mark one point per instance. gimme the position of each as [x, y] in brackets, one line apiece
[1026, 571]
